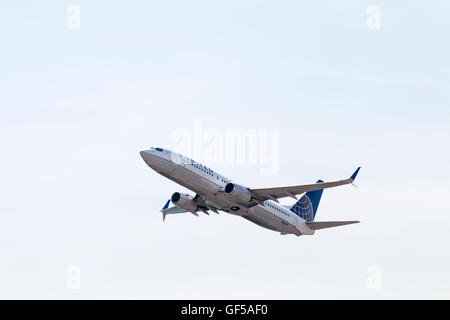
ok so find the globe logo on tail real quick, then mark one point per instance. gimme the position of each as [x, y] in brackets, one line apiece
[304, 209]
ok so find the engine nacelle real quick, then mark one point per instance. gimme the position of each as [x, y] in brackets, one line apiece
[184, 201]
[238, 193]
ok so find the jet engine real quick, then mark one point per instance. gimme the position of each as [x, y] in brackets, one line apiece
[238, 193]
[184, 201]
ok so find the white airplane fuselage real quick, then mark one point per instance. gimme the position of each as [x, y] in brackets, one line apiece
[210, 185]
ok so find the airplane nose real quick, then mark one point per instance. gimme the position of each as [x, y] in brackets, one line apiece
[147, 156]
[142, 153]
[157, 162]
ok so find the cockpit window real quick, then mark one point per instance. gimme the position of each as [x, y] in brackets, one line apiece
[158, 149]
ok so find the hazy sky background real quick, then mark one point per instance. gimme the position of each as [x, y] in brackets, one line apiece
[77, 106]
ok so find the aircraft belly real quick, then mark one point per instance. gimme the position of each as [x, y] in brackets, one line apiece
[267, 220]
[162, 166]
[208, 189]
[190, 180]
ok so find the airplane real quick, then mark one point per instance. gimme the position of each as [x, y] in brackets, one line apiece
[214, 192]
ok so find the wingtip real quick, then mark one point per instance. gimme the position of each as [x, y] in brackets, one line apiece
[166, 205]
[353, 177]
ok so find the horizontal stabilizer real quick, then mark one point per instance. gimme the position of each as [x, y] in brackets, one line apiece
[328, 224]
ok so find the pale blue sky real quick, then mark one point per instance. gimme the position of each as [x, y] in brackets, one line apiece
[77, 106]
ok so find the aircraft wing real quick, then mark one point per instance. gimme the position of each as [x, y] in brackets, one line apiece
[173, 209]
[292, 191]
[201, 206]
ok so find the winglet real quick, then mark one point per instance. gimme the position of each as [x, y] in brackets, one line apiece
[164, 208]
[166, 205]
[353, 177]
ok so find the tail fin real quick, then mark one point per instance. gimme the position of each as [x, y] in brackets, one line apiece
[306, 207]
